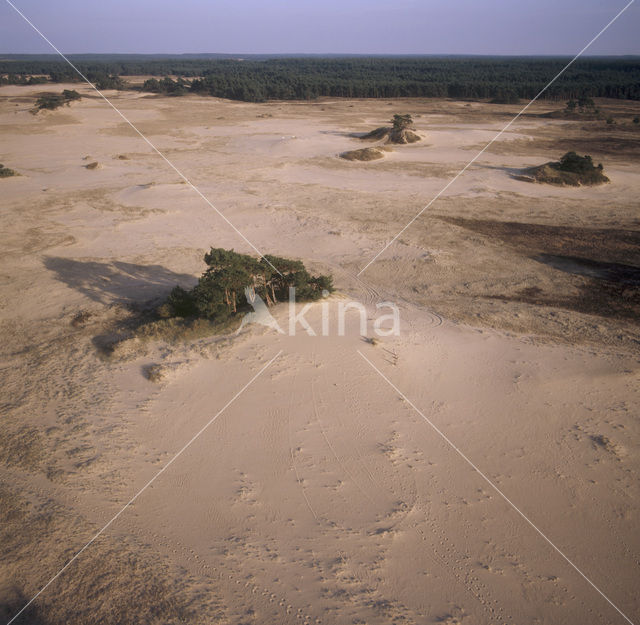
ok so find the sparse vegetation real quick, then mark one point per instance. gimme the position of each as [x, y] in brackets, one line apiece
[583, 108]
[52, 101]
[5, 172]
[581, 105]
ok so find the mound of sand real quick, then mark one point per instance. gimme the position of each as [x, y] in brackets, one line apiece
[572, 170]
[365, 154]
[549, 174]
[94, 165]
[403, 136]
[392, 135]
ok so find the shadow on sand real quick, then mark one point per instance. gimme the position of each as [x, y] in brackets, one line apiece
[110, 282]
[513, 172]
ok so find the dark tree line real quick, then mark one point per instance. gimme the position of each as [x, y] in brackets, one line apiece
[502, 79]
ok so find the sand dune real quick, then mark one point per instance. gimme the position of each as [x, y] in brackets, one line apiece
[319, 495]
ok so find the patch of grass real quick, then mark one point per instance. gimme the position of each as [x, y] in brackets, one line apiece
[179, 329]
[21, 448]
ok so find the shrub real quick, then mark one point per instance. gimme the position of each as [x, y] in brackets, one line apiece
[577, 164]
[5, 172]
[576, 169]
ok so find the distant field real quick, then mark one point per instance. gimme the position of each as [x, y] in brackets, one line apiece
[262, 78]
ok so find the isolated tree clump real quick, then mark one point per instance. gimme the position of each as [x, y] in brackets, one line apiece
[5, 172]
[399, 131]
[220, 292]
[583, 108]
[572, 169]
[52, 101]
[577, 164]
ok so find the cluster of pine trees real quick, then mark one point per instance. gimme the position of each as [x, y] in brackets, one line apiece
[52, 101]
[220, 292]
[502, 79]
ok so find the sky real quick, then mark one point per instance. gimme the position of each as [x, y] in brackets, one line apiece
[518, 27]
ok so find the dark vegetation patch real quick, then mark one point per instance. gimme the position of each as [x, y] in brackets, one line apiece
[5, 172]
[52, 101]
[612, 145]
[166, 86]
[602, 266]
[571, 170]
[230, 277]
[506, 96]
[258, 78]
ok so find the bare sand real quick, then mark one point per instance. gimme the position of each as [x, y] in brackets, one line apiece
[319, 495]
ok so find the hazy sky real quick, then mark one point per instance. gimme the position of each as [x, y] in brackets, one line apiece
[321, 26]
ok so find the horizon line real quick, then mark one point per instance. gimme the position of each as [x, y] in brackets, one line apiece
[325, 54]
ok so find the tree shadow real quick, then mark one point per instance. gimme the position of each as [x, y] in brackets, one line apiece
[513, 172]
[611, 272]
[341, 133]
[12, 600]
[109, 282]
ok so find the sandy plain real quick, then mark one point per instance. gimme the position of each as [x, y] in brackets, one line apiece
[320, 495]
